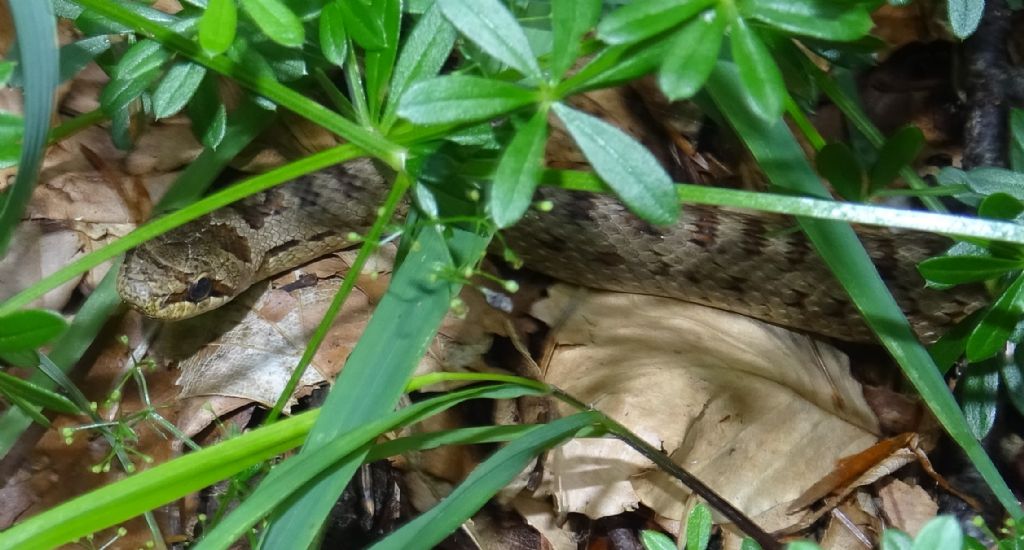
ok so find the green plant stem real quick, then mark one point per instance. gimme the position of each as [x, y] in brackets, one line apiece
[372, 143]
[159, 226]
[804, 124]
[75, 125]
[667, 465]
[369, 246]
[116, 444]
[946, 224]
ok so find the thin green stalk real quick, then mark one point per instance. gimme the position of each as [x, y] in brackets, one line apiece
[75, 125]
[60, 378]
[946, 224]
[370, 244]
[804, 124]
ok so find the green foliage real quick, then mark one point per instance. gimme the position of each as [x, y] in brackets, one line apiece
[479, 131]
[964, 15]
[29, 329]
[698, 527]
[656, 540]
[217, 26]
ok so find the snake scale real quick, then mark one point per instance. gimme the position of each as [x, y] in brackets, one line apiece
[750, 263]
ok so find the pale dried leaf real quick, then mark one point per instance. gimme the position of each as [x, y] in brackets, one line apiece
[38, 249]
[757, 412]
[907, 507]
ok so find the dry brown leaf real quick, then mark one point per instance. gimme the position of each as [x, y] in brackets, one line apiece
[757, 412]
[907, 507]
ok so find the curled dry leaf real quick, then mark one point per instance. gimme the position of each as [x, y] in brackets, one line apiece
[249, 347]
[757, 412]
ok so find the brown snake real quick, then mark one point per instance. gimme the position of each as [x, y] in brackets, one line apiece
[750, 263]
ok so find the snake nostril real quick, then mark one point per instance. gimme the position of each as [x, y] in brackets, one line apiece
[199, 290]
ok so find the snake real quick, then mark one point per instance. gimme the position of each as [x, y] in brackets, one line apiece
[752, 263]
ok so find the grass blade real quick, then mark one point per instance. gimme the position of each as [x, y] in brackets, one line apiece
[375, 374]
[486, 479]
[37, 49]
[781, 158]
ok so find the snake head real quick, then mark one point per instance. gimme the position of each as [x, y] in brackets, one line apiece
[186, 272]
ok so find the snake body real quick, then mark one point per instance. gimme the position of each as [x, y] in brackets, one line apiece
[752, 263]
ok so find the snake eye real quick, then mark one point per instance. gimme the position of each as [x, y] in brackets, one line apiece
[199, 290]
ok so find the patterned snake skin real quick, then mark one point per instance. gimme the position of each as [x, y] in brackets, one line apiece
[751, 263]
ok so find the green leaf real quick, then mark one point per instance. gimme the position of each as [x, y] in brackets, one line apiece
[1000, 206]
[76, 55]
[749, 544]
[696, 51]
[208, 114]
[276, 21]
[783, 161]
[333, 40]
[625, 165]
[802, 545]
[518, 172]
[1013, 379]
[423, 54]
[823, 19]
[29, 329]
[941, 533]
[378, 64]
[656, 540]
[403, 325]
[758, 72]
[486, 480]
[127, 498]
[964, 16]
[37, 396]
[458, 436]
[6, 70]
[986, 180]
[979, 395]
[898, 151]
[26, 359]
[11, 130]
[954, 270]
[290, 477]
[618, 65]
[177, 88]
[363, 23]
[570, 20]
[837, 164]
[489, 25]
[217, 26]
[698, 527]
[1017, 139]
[988, 338]
[642, 19]
[458, 98]
[894, 539]
[139, 67]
